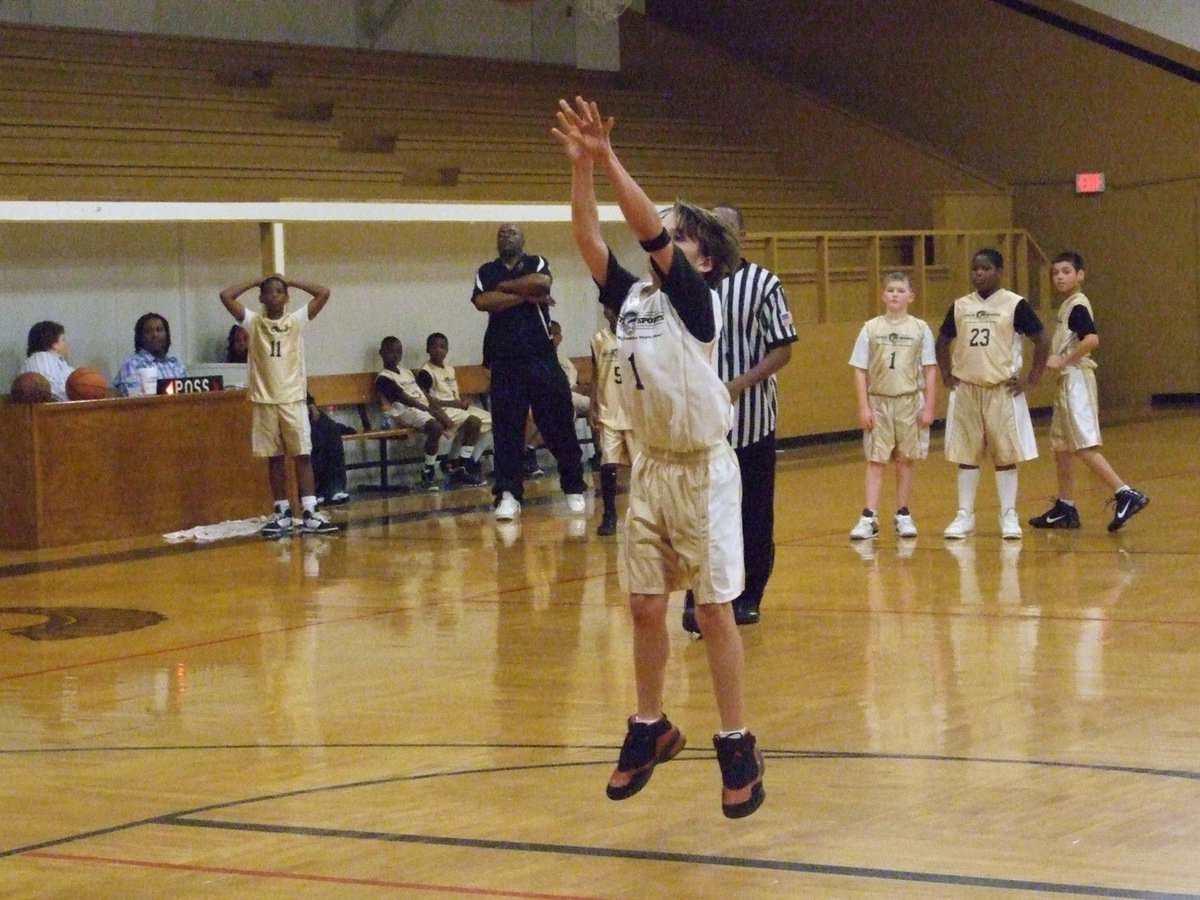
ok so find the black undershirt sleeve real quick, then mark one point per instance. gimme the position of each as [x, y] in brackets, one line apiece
[617, 282]
[1080, 321]
[1025, 320]
[387, 389]
[691, 296]
[949, 330]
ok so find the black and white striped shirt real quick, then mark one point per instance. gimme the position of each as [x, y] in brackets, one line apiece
[756, 320]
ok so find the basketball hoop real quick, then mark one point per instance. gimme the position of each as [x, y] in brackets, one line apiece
[604, 12]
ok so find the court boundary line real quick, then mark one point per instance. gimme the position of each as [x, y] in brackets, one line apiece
[192, 818]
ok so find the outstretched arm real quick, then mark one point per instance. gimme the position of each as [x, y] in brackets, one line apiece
[585, 218]
[582, 131]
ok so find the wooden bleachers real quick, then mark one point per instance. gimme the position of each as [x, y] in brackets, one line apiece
[102, 115]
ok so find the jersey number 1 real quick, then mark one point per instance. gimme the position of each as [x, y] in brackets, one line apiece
[637, 379]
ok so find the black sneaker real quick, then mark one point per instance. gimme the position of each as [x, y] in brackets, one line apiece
[532, 467]
[430, 479]
[742, 767]
[690, 625]
[1060, 515]
[646, 745]
[745, 612]
[1128, 503]
[608, 523]
[470, 473]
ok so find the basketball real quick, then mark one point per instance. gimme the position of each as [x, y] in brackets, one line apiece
[31, 387]
[86, 383]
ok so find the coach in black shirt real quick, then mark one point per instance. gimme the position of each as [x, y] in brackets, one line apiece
[514, 290]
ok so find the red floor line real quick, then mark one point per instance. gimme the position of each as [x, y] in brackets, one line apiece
[294, 876]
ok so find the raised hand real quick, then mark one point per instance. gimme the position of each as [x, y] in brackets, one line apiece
[581, 130]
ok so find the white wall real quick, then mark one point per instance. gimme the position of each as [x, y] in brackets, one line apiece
[401, 279]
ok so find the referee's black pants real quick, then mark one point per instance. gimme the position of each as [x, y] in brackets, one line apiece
[537, 384]
[757, 462]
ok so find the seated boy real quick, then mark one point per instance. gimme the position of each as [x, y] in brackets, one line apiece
[404, 403]
[472, 424]
[328, 455]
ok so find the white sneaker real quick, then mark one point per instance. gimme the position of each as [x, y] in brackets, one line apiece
[867, 527]
[508, 508]
[1010, 525]
[576, 503]
[963, 524]
[905, 526]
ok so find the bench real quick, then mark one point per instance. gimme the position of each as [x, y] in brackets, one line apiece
[356, 391]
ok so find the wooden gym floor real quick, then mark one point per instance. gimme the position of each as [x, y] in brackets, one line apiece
[429, 705]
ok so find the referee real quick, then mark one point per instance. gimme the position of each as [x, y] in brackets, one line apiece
[756, 342]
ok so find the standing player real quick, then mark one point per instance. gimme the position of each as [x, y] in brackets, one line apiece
[895, 377]
[988, 414]
[615, 441]
[1075, 426]
[276, 381]
[683, 528]
[756, 342]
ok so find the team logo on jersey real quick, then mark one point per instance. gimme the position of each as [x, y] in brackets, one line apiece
[632, 322]
[985, 315]
[62, 623]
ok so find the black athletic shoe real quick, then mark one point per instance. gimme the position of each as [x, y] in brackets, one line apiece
[690, 625]
[608, 524]
[468, 473]
[1060, 515]
[1128, 503]
[745, 612]
[645, 747]
[742, 767]
[531, 467]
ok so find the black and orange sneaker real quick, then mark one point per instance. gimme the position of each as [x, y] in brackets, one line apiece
[646, 745]
[742, 767]
[1060, 515]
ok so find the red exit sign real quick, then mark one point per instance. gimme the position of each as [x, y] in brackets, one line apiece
[1089, 183]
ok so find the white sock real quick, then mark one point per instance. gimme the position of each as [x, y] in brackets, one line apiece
[466, 452]
[431, 459]
[309, 503]
[283, 507]
[736, 733]
[968, 485]
[644, 721]
[1123, 487]
[1006, 489]
[1066, 502]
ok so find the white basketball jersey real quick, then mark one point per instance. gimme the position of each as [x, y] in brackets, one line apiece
[606, 378]
[407, 382]
[445, 383]
[276, 371]
[669, 383]
[987, 349]
[1065, 340]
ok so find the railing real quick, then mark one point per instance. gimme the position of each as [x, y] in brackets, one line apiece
[837, 276]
